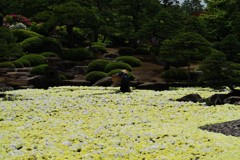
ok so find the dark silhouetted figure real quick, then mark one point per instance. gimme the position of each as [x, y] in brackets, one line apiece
[125, 83]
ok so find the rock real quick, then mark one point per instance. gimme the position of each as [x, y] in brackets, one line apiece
[106, 81]
[110, 55]
[217, 99]
[191, 98]
[79, 70]
[232, 100]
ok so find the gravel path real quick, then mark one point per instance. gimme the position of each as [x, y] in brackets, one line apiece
[228, 128]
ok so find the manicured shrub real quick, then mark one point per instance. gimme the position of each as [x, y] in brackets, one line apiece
[95, 76]
[49, 54]
[77, 54]
[35, 59]
[40, 69]
[6, 65]
[97, 65]
[25, 62]
[132, 61]
[41, 44]
[23, 34]
[142, 51]
[115, 71]
[117, 65]
[17, 64]
[177, 74]
[96, 48]
[126, 51]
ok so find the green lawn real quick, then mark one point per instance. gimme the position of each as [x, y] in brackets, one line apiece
[99, 123]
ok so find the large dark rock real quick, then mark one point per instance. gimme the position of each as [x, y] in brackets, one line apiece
[106, 81]
[191, 98]
[217, 99]
[232, 100]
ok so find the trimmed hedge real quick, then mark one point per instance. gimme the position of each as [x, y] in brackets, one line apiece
[35, 59]
[78, 54]
[23, 34]
[132, 61]
[115, 71]
[49, 54]
[40, 69]
[18, 64]
[117, 65]
[177, 74]
[41, 44]
[25, 62]
[97, 65]
[96, 48]
[235, 66]
[95, 76]
[7, 65]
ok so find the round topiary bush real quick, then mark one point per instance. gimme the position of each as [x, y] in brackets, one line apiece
[40, 69]
[117, 65]
[142, 51]
[95, 76]
[97, 48]
[49, 54]
[25, 62]
[23, 34]
[6, 65]
[132, 61]
[115, 71]
[78, 54]
[41, 44]
[18, 64]
[97, 65]
[34, 59]
[177, 74]
[126, 51]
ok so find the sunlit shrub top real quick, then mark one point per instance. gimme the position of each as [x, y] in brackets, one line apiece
[99, 123]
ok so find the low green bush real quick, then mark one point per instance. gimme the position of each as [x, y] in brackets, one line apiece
[96, 48]
[132, 61]
[7, 65]
[18, 64]
[97, 65]
[23, 34]
[126, 51]
[41, 44]
[40, 69]
[34, 59]
[115, 71]
[49, 54]
[95, 76]
[177, 74]
[142, 51]
[78, 54]
[25, 62]
[117, 65]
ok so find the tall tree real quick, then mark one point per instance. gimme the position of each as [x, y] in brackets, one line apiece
[185, 46]
[192, 7]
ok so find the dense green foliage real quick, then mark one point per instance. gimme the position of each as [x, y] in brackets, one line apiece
[40, 69]
[132, 61]
[95, 76]
[176, 74]
[7, 65]
[117, 65]
[35, 59]
[97, 65]
[178, 33]
[77, 54]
